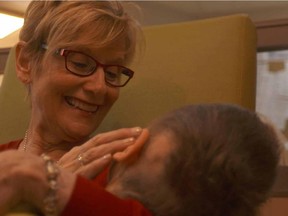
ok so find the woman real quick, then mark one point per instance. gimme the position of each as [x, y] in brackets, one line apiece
[72, 57]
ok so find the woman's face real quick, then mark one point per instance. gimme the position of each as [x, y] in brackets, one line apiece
[70, 106]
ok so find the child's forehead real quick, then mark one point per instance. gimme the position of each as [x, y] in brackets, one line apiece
[160, 145]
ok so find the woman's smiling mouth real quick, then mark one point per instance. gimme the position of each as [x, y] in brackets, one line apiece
[81, 105]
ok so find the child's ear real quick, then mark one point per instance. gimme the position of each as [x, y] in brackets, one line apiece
[132, 152]
[23, 68]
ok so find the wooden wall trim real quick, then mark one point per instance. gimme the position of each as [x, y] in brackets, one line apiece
[272, 35]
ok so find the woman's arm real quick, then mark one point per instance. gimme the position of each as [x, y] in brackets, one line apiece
[90, 199]
[25, 181]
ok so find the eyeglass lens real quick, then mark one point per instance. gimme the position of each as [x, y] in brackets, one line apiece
[84, 65]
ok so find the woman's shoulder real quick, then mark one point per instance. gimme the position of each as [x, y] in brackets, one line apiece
[10, 145]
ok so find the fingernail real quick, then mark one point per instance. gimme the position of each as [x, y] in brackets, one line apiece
[137, 130]
[107, 157]
[128, 140]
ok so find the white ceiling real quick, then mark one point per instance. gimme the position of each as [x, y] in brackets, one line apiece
[161, 12]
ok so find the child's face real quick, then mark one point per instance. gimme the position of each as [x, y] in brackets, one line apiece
[147, 171]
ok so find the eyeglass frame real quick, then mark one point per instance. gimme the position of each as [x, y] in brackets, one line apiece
[65, 52]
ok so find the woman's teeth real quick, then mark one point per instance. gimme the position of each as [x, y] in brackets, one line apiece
[81, 105]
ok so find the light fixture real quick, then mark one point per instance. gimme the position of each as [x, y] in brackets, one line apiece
[9, 24]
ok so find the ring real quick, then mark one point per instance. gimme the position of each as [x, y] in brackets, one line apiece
[80, 158]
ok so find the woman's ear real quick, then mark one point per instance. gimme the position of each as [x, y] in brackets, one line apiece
[23, 68]
[132, 152]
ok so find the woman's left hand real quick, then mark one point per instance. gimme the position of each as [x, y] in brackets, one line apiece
[93, 156]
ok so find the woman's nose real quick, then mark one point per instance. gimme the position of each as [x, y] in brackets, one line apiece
[96, 82]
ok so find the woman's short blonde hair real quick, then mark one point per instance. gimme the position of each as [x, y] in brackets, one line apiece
[62, 23]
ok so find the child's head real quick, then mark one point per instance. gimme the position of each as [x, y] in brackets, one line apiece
[204, 160]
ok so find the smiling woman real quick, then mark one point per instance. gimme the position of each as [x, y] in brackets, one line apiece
[73, 70]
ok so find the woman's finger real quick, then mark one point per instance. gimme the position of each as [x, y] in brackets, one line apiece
[91, 170]
[99, 146]
[110, 136]
[74, 161]
[108, 148]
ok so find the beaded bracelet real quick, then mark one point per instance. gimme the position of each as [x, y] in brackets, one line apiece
[51, 199]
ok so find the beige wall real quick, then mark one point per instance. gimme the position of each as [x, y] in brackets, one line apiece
[10, 40]
[1, 78]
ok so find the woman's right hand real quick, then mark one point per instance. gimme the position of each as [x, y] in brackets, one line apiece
[92, 157]
[23, 182]
[19, 173]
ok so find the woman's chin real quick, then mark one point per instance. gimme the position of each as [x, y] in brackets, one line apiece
[81, 134]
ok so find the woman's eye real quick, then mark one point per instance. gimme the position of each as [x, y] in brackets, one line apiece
[79, 62]
[110, 75]
[79, 65]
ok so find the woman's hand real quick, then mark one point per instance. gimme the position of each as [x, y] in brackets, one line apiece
[93, 156]
[24, 183]
[16, 170]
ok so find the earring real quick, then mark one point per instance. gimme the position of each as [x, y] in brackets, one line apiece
[26, 80]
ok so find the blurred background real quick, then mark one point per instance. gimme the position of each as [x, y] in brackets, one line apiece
[270, 19]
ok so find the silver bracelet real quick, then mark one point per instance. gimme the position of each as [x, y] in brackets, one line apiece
[51, 199]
